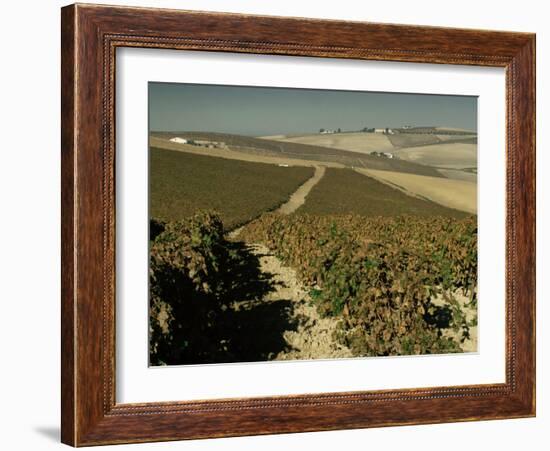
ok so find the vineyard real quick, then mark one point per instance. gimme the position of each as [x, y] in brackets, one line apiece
[207, 297]
[392, 284]
[377, 272]
[343, 191]
[381, 276]
[187, 259]
[182, 183]
[290, 236]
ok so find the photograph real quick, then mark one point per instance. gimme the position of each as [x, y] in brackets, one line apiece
[266, 226]
[301, 224]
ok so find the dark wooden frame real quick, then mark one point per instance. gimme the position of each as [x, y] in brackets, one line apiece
[90, 36]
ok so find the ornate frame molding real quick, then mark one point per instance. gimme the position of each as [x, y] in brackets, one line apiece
[90, 37]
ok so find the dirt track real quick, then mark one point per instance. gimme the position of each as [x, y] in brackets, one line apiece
[307, 335]
[298, 198]
[310, 337]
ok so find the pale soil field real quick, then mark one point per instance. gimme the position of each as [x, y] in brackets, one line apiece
[231, 154]
[356, 142]
[401, 140]
[453, 129]
[447, 156]
[274, 137]
[454, 137]
[458, 194]
[457, 174]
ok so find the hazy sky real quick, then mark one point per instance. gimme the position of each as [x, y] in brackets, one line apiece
[268, 111]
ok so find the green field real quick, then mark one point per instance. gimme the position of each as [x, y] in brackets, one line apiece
[182, 184]
[343, 191]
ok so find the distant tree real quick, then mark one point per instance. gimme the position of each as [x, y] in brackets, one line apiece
[321, 130]
[339, 130]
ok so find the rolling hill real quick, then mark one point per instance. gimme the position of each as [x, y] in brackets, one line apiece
[264, 147]
[360, 142]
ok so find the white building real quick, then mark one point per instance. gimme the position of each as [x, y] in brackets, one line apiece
[387, 131]
[179, 140]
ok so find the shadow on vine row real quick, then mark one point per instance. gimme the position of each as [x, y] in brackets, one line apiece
[233, 324]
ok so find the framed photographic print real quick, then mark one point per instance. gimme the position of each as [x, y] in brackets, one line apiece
[279, 225]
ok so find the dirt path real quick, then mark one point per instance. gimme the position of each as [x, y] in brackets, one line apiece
[298, 198]
[309, 336]
[304, 333]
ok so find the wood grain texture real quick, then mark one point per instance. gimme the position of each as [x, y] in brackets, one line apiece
[90, 36]
[68, 313]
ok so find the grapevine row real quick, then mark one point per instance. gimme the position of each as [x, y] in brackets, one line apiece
[379, 276]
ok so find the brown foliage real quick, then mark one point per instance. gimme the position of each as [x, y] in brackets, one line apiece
[378, 274]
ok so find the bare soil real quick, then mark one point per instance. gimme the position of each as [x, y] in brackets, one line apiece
[459, 174]
[364, 143]
[458, 194]
[444, 155]
[310, 337]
